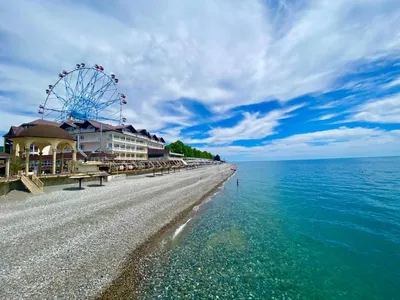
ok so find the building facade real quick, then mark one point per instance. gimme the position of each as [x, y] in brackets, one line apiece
[124, 142]
[95, 140]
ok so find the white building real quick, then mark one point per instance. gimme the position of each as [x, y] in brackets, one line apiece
[123, 142]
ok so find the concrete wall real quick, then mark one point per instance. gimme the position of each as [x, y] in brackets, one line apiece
[6, 187]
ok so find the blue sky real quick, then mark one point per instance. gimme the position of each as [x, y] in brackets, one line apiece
[249, 80]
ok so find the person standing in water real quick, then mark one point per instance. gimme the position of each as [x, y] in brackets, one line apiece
[237, 182]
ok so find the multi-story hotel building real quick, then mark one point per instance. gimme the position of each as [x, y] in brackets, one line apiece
[123, 141]
[120, 142]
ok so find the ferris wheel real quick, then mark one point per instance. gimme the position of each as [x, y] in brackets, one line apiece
[84, 93]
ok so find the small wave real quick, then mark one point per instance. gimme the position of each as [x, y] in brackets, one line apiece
[223, 184]
[208, 199]
[180, 228]
[196, 208]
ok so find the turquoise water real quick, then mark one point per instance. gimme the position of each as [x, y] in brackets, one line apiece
[322, 229]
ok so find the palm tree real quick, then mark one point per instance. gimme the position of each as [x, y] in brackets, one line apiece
[16, 164]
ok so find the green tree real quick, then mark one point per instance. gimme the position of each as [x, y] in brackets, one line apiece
[177, 147]
[188, 151]
[16, 164]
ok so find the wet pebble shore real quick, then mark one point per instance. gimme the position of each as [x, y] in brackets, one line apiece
[71, 243]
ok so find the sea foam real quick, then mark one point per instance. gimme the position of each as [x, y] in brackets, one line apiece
[180, 228]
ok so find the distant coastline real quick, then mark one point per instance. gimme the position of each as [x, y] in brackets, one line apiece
[312, 159]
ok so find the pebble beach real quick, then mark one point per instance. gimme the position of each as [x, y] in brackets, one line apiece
[69, 243]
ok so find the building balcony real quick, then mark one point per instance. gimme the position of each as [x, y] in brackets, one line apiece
[124, 141]
[128, 150]
[140, 151]
[135, 135]
[156, 146]
[145, 140]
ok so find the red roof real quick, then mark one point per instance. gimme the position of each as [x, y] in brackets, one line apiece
[105, 127]
[46, 131]
[41, 122]
[14, 130]
[68, 123]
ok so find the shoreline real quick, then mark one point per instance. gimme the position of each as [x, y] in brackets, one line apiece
[125, 285]
[81, 244]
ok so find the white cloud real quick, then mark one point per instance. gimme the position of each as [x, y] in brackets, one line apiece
[327, 117]
[341, 142]
[253, 126]
[330, 135]
[386, 110]
[7, 120]
[348, 101]
[158, 51]
[171, 135]
[224, 53]
[393, 83]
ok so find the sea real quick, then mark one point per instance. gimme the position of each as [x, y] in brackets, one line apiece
[312, 229]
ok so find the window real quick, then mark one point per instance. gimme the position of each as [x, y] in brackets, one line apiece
[47, 163]
[82, 137]
[109, 145]
[81, 147]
